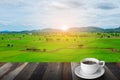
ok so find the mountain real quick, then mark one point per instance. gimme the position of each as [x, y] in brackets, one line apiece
[73, 29]
[86, 29]
[113, 30]
[50, 30]
[5, 31]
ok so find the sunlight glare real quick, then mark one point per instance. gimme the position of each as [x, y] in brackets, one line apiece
[65, 28]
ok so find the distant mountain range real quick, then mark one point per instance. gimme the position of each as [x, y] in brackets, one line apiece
[87, 29]
[73, 29]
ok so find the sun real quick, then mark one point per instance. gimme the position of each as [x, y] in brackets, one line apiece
[64, 28]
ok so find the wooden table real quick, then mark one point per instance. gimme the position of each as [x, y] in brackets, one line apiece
[51, 71]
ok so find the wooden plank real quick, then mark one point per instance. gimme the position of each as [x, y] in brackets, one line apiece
[66, 71]
[1, 64]
[3, 69]
[118, 65]
[13, 73]
[114, 68]
[73, 66]
[53, 72]
[39, 71]
[27, 70]
[13, 67]
[109, 75]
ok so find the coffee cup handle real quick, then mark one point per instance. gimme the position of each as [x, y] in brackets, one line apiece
[102, 63]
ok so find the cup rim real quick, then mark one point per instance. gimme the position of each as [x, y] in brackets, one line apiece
[91, 59]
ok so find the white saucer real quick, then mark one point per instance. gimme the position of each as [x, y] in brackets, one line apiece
[79, 73]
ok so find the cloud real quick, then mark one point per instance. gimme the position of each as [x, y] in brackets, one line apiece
[59, 5]
[4, 22]
[107, 6]
[35, 14]
[11, 3]
[65, 4]
[74, 3]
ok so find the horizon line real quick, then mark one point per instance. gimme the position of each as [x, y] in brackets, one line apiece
[57, 28]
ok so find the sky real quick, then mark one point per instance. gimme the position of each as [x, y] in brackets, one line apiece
[18, 15]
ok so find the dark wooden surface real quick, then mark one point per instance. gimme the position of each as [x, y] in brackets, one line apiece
[51, 71]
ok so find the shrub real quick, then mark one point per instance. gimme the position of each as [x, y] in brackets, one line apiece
[44, 50]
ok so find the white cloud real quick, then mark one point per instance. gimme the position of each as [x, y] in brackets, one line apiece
[55, 13]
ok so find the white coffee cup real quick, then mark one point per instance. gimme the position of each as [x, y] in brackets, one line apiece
[91, 68]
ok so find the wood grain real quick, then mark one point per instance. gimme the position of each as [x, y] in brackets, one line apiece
[13, 73]
[115, 69]
[26, 73]
[73, 66]
[109, 75]
[1, 64]
[3, 69]
[51, 71]
[39, 71]
[66, 71]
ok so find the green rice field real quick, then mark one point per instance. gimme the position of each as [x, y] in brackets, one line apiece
[59, 47]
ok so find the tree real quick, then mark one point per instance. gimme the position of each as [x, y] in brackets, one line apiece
[80, 45]
[44, 50]
[8, 45]
[108, 36]
[12, 45]
[2, 38]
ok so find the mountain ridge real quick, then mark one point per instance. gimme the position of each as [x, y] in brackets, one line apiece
[72, 29]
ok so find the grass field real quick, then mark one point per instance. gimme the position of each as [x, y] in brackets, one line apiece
[59, 47]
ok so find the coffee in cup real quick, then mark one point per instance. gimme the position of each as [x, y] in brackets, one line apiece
[91, 65]
[89, 62]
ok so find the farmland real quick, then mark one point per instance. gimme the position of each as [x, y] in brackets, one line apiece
[59, 46]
